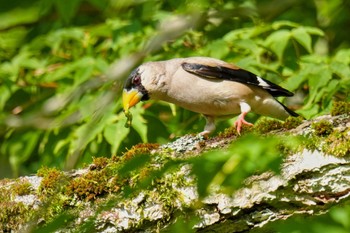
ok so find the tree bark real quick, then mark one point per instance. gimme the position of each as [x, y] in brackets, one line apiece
[310, 183]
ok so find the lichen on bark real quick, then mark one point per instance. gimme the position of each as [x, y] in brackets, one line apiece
[152, 186]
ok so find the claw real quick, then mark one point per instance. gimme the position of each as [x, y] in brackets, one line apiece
[241, 121]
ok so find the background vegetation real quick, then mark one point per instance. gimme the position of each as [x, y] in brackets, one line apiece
[62, 66]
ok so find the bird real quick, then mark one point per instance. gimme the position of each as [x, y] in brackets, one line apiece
[209, 86]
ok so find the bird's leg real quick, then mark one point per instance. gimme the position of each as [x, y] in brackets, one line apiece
[245, 108]
[209, 126]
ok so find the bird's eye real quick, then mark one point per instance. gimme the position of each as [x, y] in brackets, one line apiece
[136, 80]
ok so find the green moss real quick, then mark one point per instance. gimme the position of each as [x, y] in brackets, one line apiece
[322, 128]
[22, 187]
[5, 194]
[285, 148]
[164, 189]
[311, 142]
[53, 181]
[103, 176]
[52, 192]
[45, 171]
[99, 163]
[292, 122]
[142, 148]
[232, 131]
[93, 184]
[12, 215]
[265, 125]
[340, 107]
[89, 186]
[331, 141]
[5, 181]
[228, 132]
[338, 143]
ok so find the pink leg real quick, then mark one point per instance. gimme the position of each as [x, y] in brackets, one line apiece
[240, 121]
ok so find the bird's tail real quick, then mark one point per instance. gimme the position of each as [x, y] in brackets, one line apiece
[290, 112]
[273, 108]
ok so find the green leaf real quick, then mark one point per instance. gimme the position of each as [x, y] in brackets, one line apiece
[88, 131]
[247, 44]
[5, 95]
[207, 166]
[60, 144]
[295, 81]
[317, 81]
[277, 42]
[218, 49]
[69, 68]
[85, 134]
[341, 69]
[343, 56]
[242, 33]
[115, 134]
[67, 9]
[303, 38]
[139, 123]
[19, 147]
[228, 168]
[59, 40]
[11, 40]
[309, 111]
[341, 215]
[314, 31]
[133, 164]
[328, 92]
[102, 4]
[19, 16]
[283, 23]
[57, 222]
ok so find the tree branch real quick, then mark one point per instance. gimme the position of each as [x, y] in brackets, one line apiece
[310, 183]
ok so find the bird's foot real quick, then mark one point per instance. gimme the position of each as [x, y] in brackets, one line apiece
[204, 134]
[209, 127]
[241, 121]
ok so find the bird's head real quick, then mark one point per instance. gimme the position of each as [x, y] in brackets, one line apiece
[134, 91]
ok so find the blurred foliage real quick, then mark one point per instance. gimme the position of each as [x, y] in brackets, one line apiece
[62, 66]
[229, 168]
[336, 221]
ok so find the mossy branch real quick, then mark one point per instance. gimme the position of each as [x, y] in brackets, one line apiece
[151, 187]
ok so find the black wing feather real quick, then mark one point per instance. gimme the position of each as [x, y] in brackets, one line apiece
[236, 75]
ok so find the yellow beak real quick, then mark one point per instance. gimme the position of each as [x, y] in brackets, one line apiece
[130, 98]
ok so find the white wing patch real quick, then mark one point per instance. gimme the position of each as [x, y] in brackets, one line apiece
[244, 107]
[262, 82]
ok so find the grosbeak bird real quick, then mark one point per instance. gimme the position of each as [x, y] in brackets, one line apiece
[208, 86]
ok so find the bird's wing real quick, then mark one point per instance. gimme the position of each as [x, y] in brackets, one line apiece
[236, 74]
